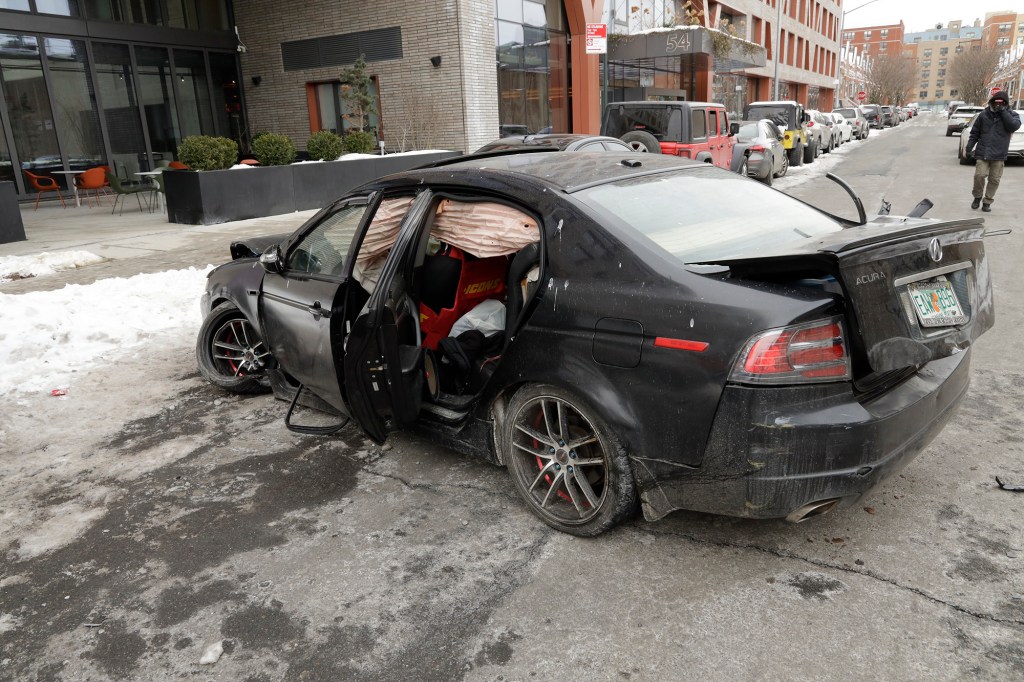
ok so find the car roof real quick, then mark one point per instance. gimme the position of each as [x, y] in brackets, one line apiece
[557, 140]
[777, 102]
[564, 172]
[663, 103]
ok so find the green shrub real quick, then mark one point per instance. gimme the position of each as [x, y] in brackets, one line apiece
[324, 145]
[202, 152]
[273, 150]
[358, 142]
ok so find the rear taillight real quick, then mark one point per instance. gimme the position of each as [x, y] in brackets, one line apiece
[757, 148]
[800, 354]
[810, 124]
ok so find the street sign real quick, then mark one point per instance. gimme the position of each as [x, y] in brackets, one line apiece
[862, 95]
[597, 38]
[994, 90]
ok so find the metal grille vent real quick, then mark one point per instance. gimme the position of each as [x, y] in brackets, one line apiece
[376, 46]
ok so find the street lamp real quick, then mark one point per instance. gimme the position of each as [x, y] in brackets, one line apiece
[842, 27]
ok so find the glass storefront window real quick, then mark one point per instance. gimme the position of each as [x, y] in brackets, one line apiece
[194, 93]
[158, 103]
[28, 106]
[120, 109]
[75, 102]
[533, 66]
[206, 15]
[66, 8]
[336, 114]
[6, 164]
[227, 102]
[21, 5]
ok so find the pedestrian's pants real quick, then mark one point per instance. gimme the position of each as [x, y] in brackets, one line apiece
[991, 170]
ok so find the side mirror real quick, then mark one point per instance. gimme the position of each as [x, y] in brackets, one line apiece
[734, 128]
[271, 260]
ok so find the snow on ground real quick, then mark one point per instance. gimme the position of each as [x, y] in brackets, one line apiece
[798, 175]
[19, 267]
[47, 336]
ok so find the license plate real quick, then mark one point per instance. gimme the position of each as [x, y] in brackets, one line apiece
[936, 304]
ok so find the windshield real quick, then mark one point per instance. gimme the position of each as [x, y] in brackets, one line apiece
[664, 122]
[778, 115]
[748, 132]
[708, 214]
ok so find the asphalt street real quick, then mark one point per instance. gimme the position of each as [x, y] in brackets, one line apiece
[198, 519]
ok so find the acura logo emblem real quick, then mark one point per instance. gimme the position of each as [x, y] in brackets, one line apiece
[935, 250]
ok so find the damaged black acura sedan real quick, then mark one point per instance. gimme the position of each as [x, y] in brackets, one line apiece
[660, 333]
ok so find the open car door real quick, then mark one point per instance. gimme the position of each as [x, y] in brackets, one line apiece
[384, 351]
[304, 294]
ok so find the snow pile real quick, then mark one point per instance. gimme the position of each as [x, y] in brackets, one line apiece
[20, 267]
[46, 336]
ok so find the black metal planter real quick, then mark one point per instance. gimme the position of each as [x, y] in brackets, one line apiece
[11, 227]
[211, 197]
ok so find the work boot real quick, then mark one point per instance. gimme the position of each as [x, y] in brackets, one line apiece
[976, 203]
[987, 208]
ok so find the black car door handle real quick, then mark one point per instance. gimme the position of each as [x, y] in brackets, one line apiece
[317, 311]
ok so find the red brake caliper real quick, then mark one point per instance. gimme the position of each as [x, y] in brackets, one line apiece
[540, 462]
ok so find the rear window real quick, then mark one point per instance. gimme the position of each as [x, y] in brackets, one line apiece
[748, 132]
[847, 113]
[708, 214]
[784, 117]
[665, 123]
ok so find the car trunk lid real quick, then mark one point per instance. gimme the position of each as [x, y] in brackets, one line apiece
[914, 290]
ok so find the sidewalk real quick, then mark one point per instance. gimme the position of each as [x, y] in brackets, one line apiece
[130, 244]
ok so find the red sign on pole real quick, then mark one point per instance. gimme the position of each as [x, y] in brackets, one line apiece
[994, 90]
[597, 38]
[862, 95]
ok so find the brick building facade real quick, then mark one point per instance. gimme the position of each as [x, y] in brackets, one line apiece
[876, 41]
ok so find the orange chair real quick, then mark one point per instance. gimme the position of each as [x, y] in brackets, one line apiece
[42, 183]
[177, 165]
[94, 179]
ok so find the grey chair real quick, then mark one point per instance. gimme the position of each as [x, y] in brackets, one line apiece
[122, 192]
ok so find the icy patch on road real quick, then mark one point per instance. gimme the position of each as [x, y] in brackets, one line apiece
[47, 336]
[20, 267]
[68, 521]
[824, 163]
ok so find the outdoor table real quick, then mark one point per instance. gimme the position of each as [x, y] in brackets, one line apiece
[74, 187]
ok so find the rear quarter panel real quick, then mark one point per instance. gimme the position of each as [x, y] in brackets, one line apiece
[662, 402]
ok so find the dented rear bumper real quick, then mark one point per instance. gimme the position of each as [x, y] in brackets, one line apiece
[773, 450]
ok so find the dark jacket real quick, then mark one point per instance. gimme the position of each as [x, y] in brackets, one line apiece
[990, 134]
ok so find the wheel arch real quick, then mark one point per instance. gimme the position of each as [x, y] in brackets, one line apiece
[704, 157]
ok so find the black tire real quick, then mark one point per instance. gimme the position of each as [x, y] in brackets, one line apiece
[796, 155]
[640, 141]
[743, 169]
[565, 462]
[785, 167]
[949, 133]
[811, 151]
[230, 352]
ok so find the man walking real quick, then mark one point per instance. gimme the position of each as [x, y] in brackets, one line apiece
[988, 143]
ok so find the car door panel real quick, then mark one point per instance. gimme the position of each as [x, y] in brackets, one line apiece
[302, 307]
[384, 356]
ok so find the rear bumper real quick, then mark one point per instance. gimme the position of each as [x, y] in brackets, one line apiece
[773, 450]
[955, 127]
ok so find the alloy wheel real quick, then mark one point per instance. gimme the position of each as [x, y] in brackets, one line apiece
[237, 349]
[558, 460]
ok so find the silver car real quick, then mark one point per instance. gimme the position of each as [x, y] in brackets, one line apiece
[960, 118]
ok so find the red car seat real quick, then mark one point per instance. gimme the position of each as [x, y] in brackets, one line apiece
[455, 282]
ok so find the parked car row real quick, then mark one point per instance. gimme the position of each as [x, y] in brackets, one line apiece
[961, 118]
[771, 137]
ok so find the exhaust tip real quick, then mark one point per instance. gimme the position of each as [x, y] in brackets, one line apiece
[813, 509]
